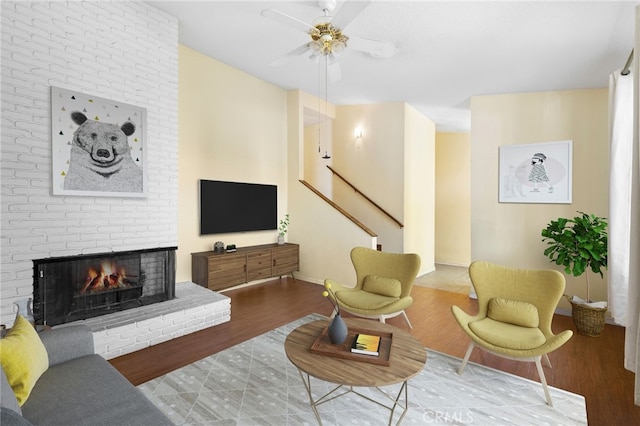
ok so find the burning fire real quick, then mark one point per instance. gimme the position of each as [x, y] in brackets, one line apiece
[108, 277]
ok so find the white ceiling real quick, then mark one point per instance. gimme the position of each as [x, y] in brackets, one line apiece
[448, 51]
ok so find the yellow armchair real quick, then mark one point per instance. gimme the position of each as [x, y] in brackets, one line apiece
[383, 284]
[516, 308]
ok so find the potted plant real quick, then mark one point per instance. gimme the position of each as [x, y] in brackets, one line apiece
[283, 228]
[580, 244]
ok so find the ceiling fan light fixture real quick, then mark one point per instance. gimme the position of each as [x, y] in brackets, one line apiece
[315, 57]
[328, 38]
[337, 48]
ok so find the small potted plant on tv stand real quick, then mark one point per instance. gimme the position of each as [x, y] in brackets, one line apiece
[283, 228]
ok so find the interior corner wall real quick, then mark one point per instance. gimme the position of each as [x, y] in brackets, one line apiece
[233, 127]
[453, 198]
[419, 188]
[123, 51]
[509, 233]
[316, 172]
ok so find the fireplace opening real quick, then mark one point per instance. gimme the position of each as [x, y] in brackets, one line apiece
[107, 276]
[73, 288]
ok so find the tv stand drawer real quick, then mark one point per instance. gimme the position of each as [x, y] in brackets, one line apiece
[222, 270]
[259, 265]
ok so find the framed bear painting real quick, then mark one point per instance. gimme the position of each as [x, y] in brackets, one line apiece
[98, 146]
[536, 173]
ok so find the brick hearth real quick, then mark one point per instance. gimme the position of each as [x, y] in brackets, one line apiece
[194, 308]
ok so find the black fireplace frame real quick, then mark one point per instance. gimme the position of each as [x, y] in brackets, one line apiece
[48, 312]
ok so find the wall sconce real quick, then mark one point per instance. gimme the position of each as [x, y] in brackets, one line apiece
[357, 133]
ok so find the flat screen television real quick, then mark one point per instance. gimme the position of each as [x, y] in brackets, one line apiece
[237, 207]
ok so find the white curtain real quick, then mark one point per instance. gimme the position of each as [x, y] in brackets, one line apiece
[632, 338]
[621, 153]
[624, 208]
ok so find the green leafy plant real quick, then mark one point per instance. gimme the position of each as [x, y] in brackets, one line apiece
[284, 225]
[578, 244]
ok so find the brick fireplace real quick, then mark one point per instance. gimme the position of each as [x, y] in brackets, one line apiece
[128, 299]
[73, 288]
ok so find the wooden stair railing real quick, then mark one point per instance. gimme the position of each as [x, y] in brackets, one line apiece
[365, 197]
[340, 209]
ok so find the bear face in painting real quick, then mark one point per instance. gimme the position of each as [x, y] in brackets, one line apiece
[101, 157]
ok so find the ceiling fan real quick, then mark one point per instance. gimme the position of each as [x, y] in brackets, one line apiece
[327, 39]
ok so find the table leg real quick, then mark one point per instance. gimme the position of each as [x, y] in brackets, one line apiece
[306, 379]
[307, 386]
[395, 400]
[395, 403]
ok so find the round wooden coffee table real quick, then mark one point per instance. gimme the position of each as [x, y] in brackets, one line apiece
[406, 359]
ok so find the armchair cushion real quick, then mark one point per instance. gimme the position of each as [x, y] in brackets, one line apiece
[23, 357]
[389, 287]
[364, 300]
[513, 312]
[506, 335]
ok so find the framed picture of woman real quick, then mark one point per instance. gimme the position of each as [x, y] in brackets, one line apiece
[536, 173]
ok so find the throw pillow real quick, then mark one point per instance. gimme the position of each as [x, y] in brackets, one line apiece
[513, 312]
[24, 358]
[380, 285]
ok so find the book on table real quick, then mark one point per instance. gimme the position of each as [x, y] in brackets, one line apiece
[366, 344]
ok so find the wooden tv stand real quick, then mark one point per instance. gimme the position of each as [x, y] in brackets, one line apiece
[221, 270]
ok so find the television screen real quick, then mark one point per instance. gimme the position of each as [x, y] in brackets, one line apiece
[237, 207]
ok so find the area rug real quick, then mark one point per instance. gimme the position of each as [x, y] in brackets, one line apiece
[253, 383]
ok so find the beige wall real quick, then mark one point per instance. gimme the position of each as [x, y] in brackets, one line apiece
[419, 187]
[233, 127]
[374, 165]
[315, 167]
[452, 195]
[510, 233]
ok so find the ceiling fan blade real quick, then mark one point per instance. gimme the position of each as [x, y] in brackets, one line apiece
[300, 50]
[348, 12]
[375, 48]
[276, 15]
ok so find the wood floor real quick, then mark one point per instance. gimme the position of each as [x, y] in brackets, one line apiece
[588, 366]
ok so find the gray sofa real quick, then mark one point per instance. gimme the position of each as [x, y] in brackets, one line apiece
[79, 388]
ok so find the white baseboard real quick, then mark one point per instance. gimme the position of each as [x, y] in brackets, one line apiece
[299, 276]
[460, 265]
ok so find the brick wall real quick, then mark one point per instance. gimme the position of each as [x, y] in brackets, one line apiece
[123, 51]
[194, 308]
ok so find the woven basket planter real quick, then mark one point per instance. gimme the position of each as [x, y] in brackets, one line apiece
[589, 321]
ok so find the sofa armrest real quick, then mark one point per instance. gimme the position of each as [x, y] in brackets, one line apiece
[8, 417]
[67, 343]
